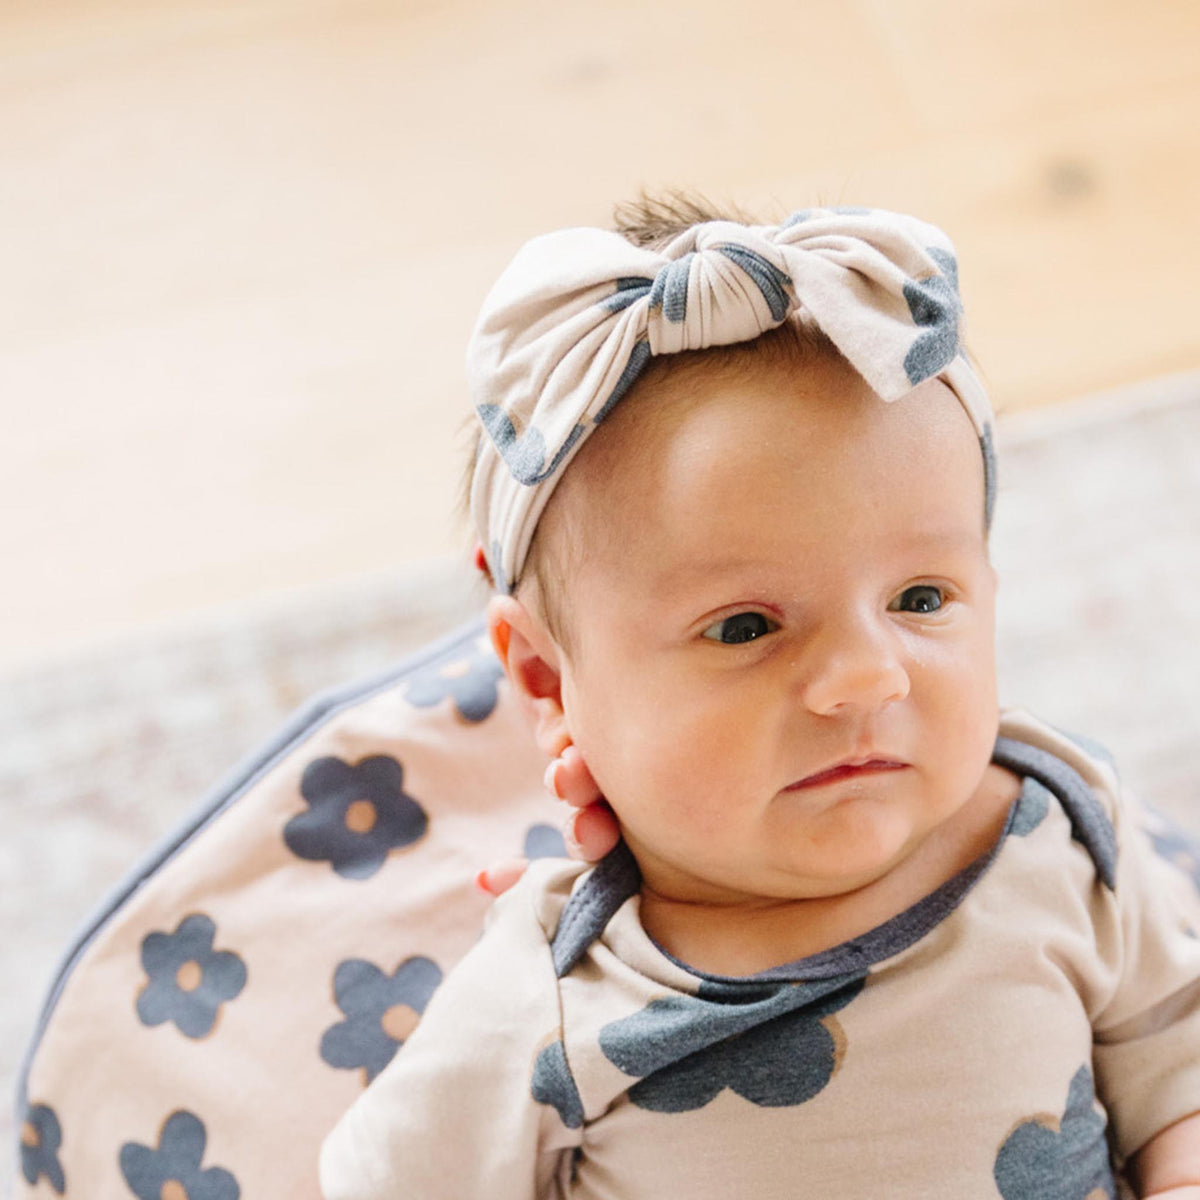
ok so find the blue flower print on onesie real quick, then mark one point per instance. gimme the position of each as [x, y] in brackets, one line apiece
[188, 980]
[172, 1171]
[553, 1084]
[381, 1011]
[1059, 1158]
[470, 679]
[358, 813]
[41, 1138]
[774, 1045]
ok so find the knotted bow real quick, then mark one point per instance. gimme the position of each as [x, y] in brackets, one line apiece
[577, 314]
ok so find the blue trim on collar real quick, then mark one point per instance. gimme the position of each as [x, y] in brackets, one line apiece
[617, 877]
[1090, 825]
[587, 913]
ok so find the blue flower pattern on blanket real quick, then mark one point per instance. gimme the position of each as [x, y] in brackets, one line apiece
[188, 980]
[775, 1045]
[381, 1011]
[358, 813]
[544, 841]
[149, 1171]
[1174, 844]
[41, 1138]
[1053, 1158]
[469, 679]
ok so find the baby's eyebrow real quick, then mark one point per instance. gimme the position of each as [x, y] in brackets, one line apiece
[690, 570]
[922, 550]
[956, 538]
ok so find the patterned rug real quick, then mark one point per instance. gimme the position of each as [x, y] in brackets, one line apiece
[1097, 544]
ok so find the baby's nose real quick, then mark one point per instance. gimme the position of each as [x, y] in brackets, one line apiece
[855, 666]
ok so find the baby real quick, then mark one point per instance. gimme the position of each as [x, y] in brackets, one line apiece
[863, 934]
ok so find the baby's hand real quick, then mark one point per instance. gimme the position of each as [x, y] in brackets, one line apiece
[1171, 1158]
[590, 831]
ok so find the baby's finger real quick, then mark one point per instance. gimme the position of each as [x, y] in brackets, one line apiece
[569, 779]
[591, 832]
[500, 876]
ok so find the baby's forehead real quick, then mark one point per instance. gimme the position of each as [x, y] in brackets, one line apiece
[698, 407]
[737, 433]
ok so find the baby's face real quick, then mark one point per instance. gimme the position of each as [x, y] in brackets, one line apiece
[782, 668]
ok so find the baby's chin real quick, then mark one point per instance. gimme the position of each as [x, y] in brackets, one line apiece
[766, 886]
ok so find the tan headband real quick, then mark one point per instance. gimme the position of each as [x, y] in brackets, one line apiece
[576, 315]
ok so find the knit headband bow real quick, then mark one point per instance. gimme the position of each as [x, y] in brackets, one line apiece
[576, 315]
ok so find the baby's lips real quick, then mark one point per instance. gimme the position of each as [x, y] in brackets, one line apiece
[847, 767]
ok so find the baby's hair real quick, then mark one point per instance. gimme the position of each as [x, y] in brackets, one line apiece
[650, 221]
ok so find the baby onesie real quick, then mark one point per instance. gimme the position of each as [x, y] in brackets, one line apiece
[1014, 1034]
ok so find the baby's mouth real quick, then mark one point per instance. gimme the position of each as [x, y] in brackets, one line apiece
[850, 769]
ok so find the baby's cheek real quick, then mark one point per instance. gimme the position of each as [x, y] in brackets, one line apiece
[970, 727]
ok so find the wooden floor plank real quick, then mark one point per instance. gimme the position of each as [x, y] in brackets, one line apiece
[245, 241]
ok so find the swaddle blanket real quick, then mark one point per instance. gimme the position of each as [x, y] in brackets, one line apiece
[577, 314]
[252, 975]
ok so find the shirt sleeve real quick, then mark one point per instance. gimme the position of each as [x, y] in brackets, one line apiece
[453, 1114]
[1147, 1035]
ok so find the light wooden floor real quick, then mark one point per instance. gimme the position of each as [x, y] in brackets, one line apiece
[244, 240]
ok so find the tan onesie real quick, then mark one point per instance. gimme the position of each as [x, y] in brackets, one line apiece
[1015, 1034]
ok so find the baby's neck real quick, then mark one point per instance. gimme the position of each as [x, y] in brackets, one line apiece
[743, 939]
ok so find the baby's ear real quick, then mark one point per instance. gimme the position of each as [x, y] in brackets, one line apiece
[532, 661]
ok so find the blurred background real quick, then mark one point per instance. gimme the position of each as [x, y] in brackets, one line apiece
[243, 245]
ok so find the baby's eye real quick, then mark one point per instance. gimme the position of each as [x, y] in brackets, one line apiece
[922, 598]
[741, 627]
